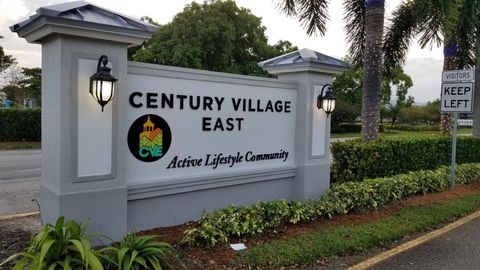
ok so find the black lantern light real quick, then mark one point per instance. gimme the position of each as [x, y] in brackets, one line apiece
[327, 101]
[102, 83]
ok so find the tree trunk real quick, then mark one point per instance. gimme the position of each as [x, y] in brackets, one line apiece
[446, 119]
[476, 98]
[372, 63]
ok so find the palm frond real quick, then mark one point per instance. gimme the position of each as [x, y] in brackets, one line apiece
[438, 19]
[400, 33]
[312, 14]
[355, 29]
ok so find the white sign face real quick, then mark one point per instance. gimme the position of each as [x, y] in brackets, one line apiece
[457, 97]
[182, 128]
[458, 75]
[465, 122]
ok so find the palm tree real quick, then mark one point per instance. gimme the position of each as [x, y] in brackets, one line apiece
[364, 26]
[452, 23]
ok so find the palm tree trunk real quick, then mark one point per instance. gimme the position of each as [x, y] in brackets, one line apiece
[372, 78]
[446, 119]
[476, 98]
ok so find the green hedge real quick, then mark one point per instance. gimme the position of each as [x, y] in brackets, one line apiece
[354, 160]
[20, 125]
[351, 128]
[236, 221]
[407, 127]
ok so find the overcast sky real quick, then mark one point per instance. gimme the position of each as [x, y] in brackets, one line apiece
[424, 66]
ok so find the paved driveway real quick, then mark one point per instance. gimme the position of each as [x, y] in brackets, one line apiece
[20, 172]
[457, 249]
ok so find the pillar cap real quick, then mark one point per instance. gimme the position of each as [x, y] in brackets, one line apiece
[83, 19]
[304, 60]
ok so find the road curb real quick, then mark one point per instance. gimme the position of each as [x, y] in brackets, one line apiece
[413, 243]
[7, 217]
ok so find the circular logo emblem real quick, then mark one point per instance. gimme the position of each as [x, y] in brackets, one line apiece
[149, 138]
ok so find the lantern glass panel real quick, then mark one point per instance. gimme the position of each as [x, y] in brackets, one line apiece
[107, 90]
[328, 105]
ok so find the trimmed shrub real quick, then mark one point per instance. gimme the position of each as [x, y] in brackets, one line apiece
[20, 125]
[407, 127]
[351, 128]
[236, 221]
[355, 160]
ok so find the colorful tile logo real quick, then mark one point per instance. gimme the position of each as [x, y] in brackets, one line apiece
[149, 138]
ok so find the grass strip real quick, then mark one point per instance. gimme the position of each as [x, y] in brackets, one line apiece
[399, 133]
[19, 145]
[344, 240]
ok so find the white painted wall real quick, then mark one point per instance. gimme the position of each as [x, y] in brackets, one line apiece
[94, 148]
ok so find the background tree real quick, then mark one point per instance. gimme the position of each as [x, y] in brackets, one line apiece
[428, 114]
[22, 84]
[31, 83]
[217, 36]
[348, 90]
[364, 27]
[400, 82]
[5, 60]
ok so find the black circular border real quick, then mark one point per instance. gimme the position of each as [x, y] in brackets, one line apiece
[137, 127]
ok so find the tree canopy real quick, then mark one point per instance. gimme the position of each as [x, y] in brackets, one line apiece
[5, 60]
[217, 36]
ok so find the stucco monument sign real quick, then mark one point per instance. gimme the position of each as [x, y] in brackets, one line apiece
[168, 143]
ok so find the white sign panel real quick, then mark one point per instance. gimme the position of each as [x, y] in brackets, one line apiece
[465, 122]
[181, 127]
[457, 97]
[458, 75]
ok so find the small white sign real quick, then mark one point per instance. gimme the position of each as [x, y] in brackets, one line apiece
[465, 122]
[238, 247]
[457, 97]
[458, 75]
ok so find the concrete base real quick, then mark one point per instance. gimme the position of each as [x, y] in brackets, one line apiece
[103, 210]
[312, 180]
[179, 208]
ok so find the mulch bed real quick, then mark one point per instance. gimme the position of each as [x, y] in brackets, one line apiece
[15, 234]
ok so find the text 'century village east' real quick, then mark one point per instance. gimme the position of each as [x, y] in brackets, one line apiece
[151, 100]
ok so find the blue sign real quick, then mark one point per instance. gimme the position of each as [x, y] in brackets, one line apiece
[6, 103]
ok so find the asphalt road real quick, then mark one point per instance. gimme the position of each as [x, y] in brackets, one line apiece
[457, 249]
[20, 173]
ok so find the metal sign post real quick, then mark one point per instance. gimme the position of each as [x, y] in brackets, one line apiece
[457, 97]
[454, 150]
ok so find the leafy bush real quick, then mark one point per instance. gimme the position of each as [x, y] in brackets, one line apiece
[63, 246]
[139, 253]
[237, 221]
[20, 125]
[354, 160]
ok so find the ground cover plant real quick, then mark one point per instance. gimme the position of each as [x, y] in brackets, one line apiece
[219, 226]
[140, 252]
[63, 246]
[344, 240]
[354, 160]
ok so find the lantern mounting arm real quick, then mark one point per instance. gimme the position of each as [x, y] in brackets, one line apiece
[329, 86]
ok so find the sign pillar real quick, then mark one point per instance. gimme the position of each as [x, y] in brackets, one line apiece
[457, 97]
[311, 70]
[80, 176]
